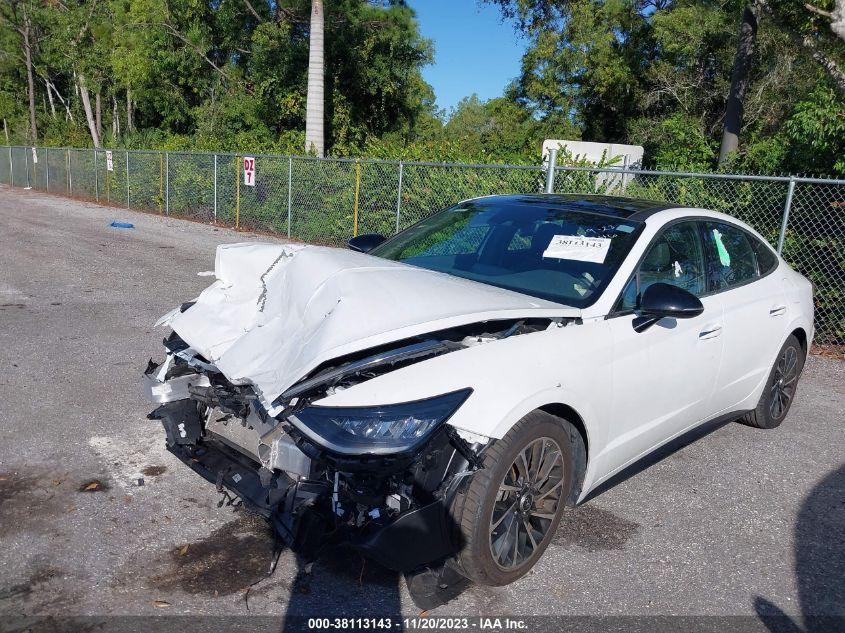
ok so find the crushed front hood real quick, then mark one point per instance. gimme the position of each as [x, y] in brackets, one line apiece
[276, 312]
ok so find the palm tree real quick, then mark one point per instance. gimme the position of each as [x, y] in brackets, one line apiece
[314, 114]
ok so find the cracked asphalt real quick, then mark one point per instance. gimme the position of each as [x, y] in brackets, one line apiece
[97, 519]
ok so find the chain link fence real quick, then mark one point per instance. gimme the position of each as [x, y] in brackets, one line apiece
[326, 201]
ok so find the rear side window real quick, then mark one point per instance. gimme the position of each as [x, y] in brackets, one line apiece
[731, 260]
[766, 259]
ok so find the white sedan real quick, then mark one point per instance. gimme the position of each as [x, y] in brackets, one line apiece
[438, 398]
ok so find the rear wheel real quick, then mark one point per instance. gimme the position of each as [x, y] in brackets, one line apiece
[512, 507]
[780, 389]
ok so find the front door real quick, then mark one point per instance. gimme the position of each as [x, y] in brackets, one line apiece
[664, 377]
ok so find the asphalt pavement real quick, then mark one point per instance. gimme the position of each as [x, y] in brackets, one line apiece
[97, 519]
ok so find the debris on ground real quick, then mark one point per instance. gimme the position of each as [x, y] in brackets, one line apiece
[92, 485]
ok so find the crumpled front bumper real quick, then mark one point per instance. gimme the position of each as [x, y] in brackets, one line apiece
[393, 510]
[300, 512]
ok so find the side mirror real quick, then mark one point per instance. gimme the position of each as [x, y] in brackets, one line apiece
[665, 300]
[365, 243]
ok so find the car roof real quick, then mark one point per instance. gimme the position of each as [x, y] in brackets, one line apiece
[626, 208]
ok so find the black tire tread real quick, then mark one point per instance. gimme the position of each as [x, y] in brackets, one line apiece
[759, 418]
[470, 504]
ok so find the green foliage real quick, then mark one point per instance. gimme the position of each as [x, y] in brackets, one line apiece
[677, 142]
[231, 76]
[213, 74]
[658, 73]
[816, 130]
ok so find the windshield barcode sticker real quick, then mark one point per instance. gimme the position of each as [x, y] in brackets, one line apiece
[578, 248]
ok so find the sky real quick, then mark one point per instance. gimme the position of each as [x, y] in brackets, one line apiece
[474, 51]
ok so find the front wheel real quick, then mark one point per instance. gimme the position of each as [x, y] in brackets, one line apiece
[779, 392]
[513, 506]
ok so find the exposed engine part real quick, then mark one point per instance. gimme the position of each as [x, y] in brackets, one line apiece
[357, 368]
[389, 357]
[174, 389]
[277, 451]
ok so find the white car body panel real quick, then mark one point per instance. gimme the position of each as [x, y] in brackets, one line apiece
[671, 379]
[276, 313]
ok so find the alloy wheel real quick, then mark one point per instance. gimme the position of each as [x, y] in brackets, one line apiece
[785, 381]
[527, 503]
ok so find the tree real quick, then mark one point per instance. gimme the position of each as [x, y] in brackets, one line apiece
[740, 80]
[804, 28]
[18, 16]
[216, 75]
[670, 75]
[314, 113]
[836, 16]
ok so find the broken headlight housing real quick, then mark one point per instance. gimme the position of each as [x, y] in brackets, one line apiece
[377, 430]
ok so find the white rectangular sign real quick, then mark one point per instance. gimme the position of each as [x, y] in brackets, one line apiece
[34, 156]
[109, 161]
[578, 248]
[249, 171]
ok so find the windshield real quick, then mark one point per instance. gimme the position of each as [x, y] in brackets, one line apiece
[548, 252]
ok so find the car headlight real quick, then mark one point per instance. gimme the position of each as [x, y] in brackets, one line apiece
[391, 428]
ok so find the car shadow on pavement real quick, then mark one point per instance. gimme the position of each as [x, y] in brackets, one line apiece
[340, 582]
[819, 563]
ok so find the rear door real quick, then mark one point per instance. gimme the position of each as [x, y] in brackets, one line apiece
[743, 272]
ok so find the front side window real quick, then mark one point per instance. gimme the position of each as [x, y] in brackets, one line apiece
[551, 252]
[675, 257]
[731, 259]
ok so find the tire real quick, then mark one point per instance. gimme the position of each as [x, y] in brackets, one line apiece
[780, 389]
[486, 556]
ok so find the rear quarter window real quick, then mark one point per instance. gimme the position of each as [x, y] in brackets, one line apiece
[767, 261]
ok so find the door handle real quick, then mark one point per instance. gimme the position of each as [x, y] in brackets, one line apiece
[710, 331]
[777, 311]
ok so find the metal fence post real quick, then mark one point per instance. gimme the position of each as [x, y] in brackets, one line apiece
[47, 167]
[96, 178]
[237, 192]
[357, 192]
[399, 196]
[786, 209]
[550, 174]
[26, 167]
[11, 169]
[161, 182]
[166, 183]
[67, 173]
[290, 186]
[127, 178]
[215, 187]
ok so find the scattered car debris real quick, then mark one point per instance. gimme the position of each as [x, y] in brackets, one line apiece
[93, 485]
[121, 225]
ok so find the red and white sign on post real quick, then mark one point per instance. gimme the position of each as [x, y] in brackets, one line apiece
[109, 161]
[249, 171]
